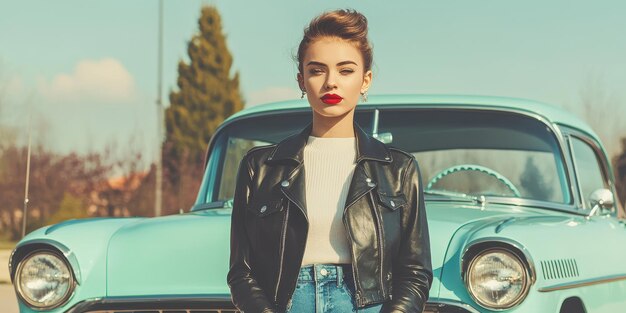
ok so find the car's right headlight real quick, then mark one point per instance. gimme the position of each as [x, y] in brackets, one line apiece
[497, 279]
[44, 280]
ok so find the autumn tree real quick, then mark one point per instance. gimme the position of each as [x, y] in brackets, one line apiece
[120, 195]
[207, 94]
[57, 182]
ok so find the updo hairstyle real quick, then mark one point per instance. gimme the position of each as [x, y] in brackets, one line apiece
[346, 24]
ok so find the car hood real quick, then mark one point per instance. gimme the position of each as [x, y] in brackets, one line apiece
[188, 253]
[182, 254]
[453, 224]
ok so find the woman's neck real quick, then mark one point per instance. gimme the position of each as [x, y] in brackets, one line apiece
[337, 127]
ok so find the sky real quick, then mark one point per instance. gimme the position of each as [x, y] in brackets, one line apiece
[86, 71]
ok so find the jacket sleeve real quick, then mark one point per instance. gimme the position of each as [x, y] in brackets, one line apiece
[245, 291]
[412, 269]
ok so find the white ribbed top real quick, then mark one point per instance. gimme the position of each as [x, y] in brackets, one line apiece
[329, 164]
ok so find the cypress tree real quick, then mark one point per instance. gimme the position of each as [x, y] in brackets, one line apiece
[207, 94]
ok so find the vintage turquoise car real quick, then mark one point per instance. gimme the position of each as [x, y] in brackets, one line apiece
[520, 200]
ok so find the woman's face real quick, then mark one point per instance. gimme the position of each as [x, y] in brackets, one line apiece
[333, 76]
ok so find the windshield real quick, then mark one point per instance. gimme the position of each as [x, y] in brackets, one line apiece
[460, 152]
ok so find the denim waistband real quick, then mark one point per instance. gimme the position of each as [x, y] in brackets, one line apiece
[324, 272]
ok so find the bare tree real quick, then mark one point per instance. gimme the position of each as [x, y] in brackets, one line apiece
[7, 135]
[604, 111]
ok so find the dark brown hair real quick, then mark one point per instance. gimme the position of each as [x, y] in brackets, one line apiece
[346, 24]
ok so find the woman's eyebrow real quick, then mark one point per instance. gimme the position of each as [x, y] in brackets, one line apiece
[346, 62]
[338, 64]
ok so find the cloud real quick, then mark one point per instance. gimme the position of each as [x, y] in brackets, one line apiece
[272, 94]
[99, 81]
[13, 99]
[14, 86]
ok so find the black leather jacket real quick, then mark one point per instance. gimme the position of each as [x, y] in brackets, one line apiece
[384, 217]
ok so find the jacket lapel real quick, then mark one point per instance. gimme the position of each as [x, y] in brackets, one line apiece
[361, 184]
[290, 151]
[294, 188]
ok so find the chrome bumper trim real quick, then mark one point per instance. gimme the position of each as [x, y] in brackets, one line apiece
[157, 304]
[436, 305]
[583, 283]
[212, 304]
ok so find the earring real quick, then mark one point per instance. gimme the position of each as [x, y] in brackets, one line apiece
[303, 93]
[364, 96]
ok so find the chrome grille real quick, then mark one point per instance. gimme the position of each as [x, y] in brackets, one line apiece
[557, 269]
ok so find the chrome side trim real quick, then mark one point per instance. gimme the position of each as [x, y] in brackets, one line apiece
[583, 283]
[437, 305]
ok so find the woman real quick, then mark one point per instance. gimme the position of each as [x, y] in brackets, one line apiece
[350, 235]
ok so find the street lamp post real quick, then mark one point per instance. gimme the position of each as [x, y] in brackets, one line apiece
[159, 161]
[25, 211]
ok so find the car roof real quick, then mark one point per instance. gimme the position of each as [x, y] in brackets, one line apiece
[550, 113]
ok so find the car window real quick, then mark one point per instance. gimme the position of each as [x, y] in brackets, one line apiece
[518, 171]
[476, 152]
[461, 151]
[235, 150]
[235, 140]
[588, 168]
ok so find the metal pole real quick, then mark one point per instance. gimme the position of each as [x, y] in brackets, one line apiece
[30, 118]
[159, 162]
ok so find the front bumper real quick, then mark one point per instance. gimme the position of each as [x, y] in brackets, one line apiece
[210, 304]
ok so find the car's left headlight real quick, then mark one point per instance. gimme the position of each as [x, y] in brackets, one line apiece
[44, 280]
[497, 279]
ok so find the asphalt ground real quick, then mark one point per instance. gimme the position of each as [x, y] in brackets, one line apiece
[8, 302]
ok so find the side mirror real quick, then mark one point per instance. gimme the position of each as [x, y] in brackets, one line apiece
[601, 199]
[384, 137]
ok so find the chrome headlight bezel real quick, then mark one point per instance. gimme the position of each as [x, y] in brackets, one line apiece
[34, 305]
[481, 249]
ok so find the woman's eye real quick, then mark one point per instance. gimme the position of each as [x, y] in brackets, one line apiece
[347, 71]
[316, 71]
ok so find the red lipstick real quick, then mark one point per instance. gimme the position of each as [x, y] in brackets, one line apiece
[331, 98]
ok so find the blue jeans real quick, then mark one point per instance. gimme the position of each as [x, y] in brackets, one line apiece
[325, 288]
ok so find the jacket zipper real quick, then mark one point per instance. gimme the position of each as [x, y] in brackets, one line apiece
[286, 194]
[380, 242]
[290, 200]
[356, 282]
[282, 250]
